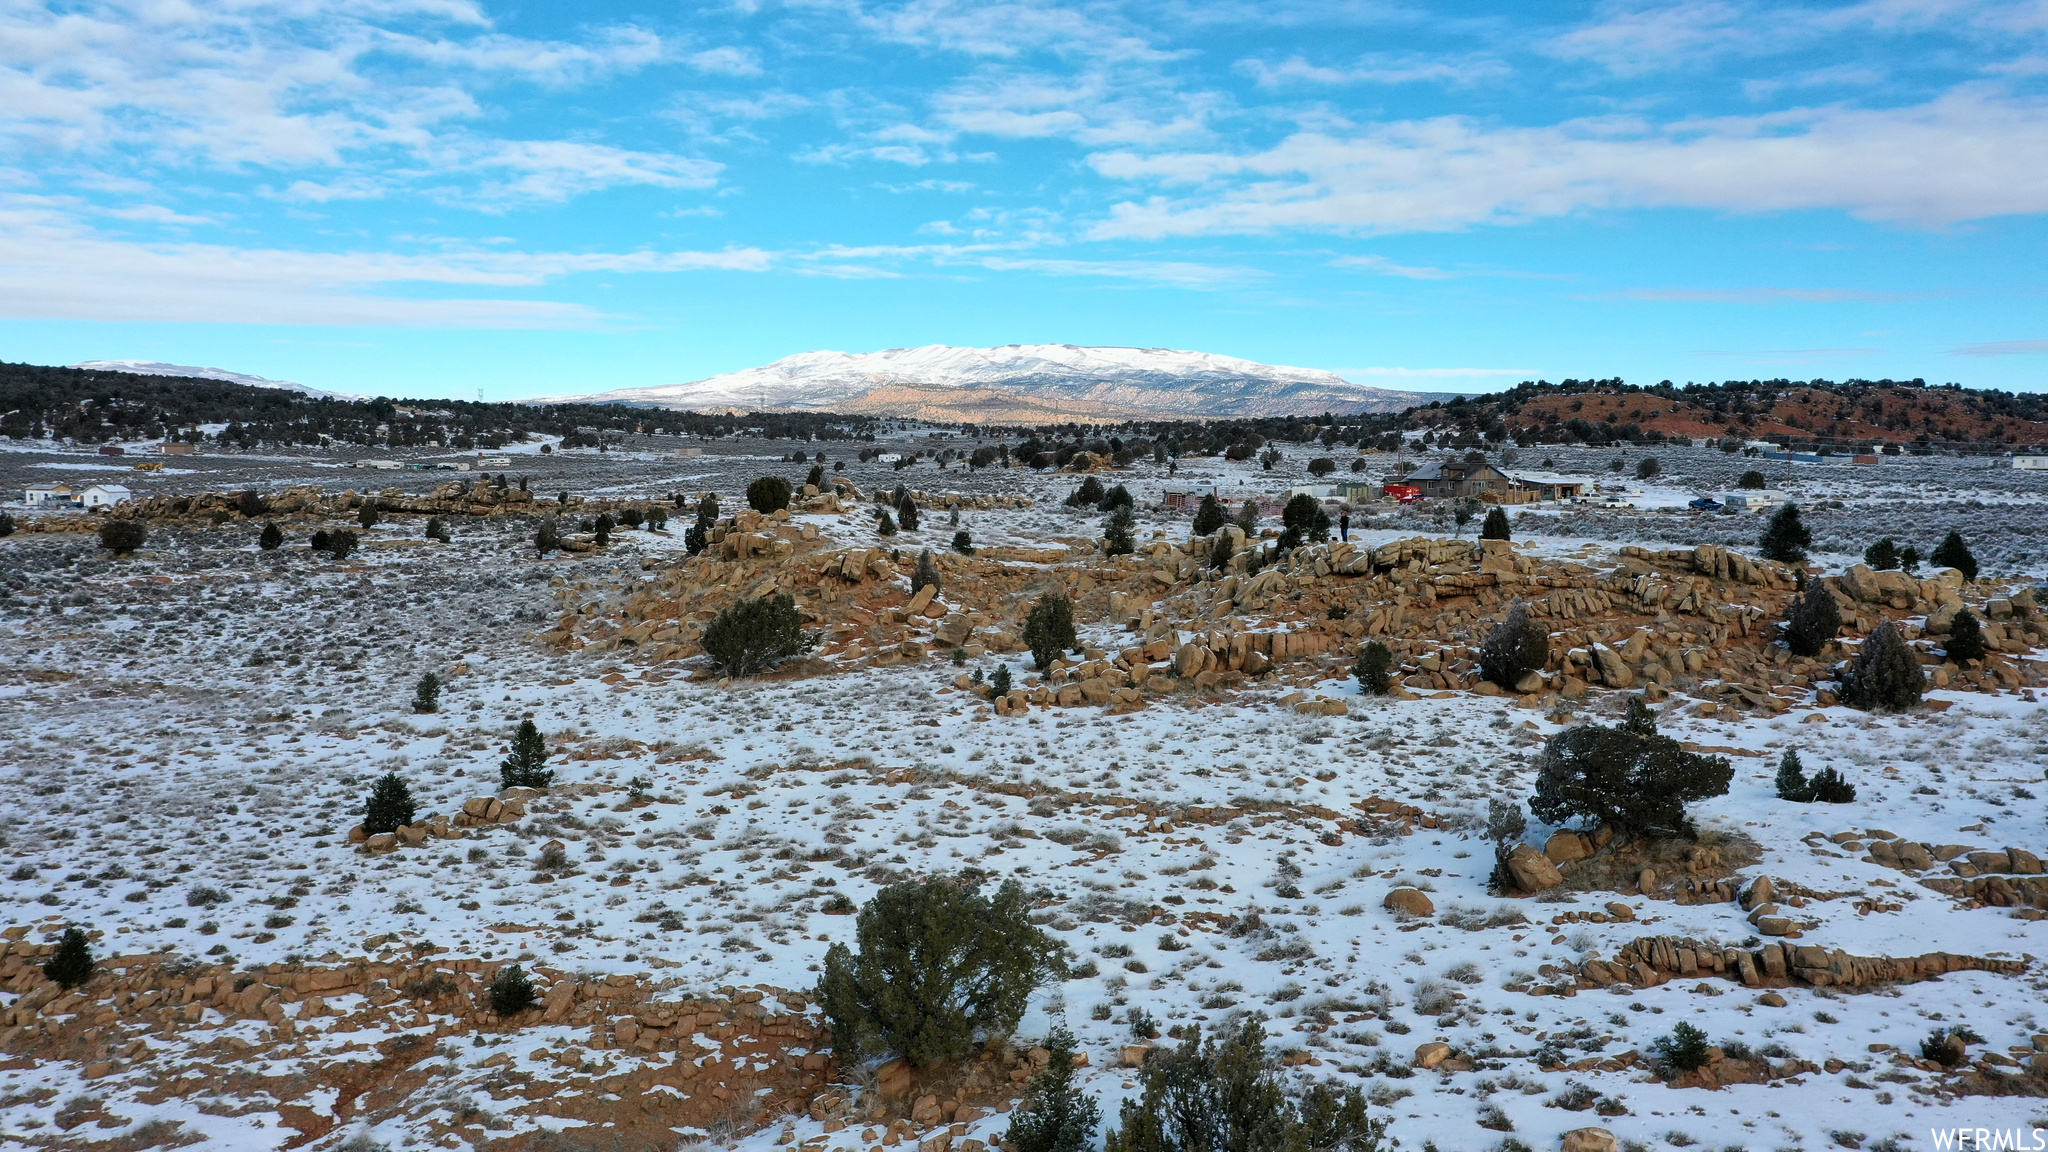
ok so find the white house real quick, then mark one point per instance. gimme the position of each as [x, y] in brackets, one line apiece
[2031, 463]
[105, 495]
[1752, 499]
[50, 496]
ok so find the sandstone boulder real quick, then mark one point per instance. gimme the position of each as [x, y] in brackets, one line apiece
[1565, 847]
[1588, 1140]
[1409, 901]
[1532, 870]
[1431, 1054]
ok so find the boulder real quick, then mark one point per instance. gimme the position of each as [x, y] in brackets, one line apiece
[1565, 847]
[1409, 901]
[1613, 672]
[1431, 1054]
[1759, 893]
[1530, 682]
[382, 842]
[1532, 870]
[1588, 1140]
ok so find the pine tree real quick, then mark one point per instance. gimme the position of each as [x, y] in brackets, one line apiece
[939, 965]
[72, 964]
[885, 524]
[6, 524]
[1229, 1098]
[752, 636]
[1883, 555]
[1885, 675]
[1220, 554]
[272, 536]
[1297, 520]
[906, 512]
[1638, 718]
[390, 806]
[601, 532]
[1514, 648]
[1953, 553]
[1049, 629]
[1248, 519]
[1909, 559]
[426, 697]
[1965, 638]
[512, 991]
[1496, 525]
[1119, 534]
[1209, 516]
[1813, 621]
[1505, 825]
[999, 682]
[1374, 668]
[1055, 1116]
[963, 543]
[1786, 538]
[1684, 1049]
[927, 574]
[1792, 783]
[527, 766]
[1830, 788]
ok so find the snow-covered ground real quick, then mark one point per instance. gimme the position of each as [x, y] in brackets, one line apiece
[205, 718]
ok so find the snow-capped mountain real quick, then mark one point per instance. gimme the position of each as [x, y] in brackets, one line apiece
[1021, 382]
[187, 371]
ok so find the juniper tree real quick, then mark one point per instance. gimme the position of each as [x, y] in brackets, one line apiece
[527, 765]
[906, 512]
[1625, 779]
[1209, 515]
[122, 536]
[341, 543]
[999, 681]
[1514, 648]
[1298, 520]
[1248, 518]
[1885, 675]
[631, 515]
[1786, 538]
[1229, 1097]
[6, 524]
[1505, 825]
[1089, 494]
[1883, 555]
[1828, 787]
[1049, 629]
[547, 537]
[437, 529]
[751, 636]
[939, 965]
[390, 806]
[511, 991]
[1751, 481]
[1115, 498]
[1055, 1116]
[816, 478]
[1648, 468]
[250, 504]
[768, 495]
[1684, 1049]
[963, 543]
[271, 537]
[72, 964]
[426, 696]
[926, 574]
[1909, 558]
[1965, 638]
[601, 531]
[1220, 554]
[1953, 553]
[1495, 526]
[367, 515]
[1119, 533]
[1637, 717]
[1374, 668]
[885, 524]
[1813, 621]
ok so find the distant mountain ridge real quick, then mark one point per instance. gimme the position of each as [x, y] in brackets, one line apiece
[187, 371]
[1022, 383]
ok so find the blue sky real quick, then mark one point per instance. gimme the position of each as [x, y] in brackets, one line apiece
[436, 197]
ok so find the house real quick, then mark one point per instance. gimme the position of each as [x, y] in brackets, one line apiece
[1186, 498]
[2031, 463]
[177, 448]
[1357, 491]
[105, 495]
[1457, 478]
[50, 496]
[1547, 485]
[385, 465]
[1752, 499]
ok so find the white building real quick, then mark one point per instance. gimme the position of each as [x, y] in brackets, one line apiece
[379, 463]
[105, 495]
[50, 496]
[1752, 499]
[2031, 463]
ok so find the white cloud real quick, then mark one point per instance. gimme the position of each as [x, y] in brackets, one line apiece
[1407, 68]
[1386, 267]
[1971, 154]
[728, 61]
[54, 267]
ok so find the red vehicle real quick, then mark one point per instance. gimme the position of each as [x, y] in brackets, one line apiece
[1405, 493]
